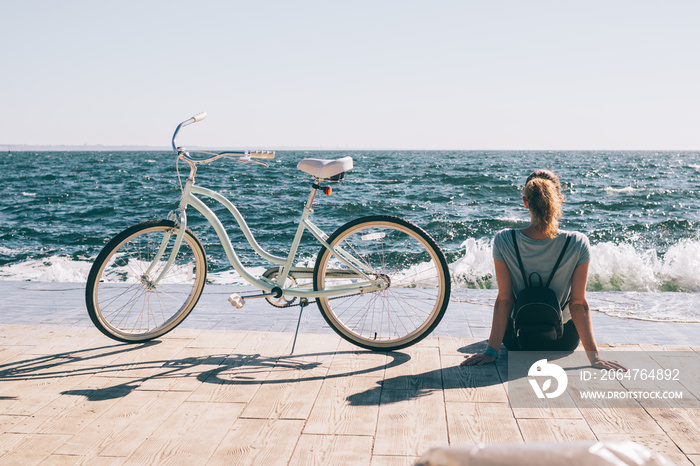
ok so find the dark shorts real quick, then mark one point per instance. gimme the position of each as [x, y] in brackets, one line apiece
[568, 341]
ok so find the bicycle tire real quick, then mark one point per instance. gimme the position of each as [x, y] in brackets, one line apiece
[416, 299]
[121, 300]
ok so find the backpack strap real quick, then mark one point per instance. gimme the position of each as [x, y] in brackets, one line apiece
[520, 260]
[561, 256]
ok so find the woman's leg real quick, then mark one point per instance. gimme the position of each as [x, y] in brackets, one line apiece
[569, 340]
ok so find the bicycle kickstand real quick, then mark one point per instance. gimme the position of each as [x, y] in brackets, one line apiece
[303, 302]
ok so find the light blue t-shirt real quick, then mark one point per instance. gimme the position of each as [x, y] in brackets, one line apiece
[540, 255]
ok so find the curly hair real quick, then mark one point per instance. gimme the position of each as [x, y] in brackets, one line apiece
[543, 194]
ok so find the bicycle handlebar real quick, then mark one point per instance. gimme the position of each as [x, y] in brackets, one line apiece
[244, 155]
[199, 117]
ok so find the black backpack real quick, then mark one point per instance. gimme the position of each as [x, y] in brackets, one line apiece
[538, 314]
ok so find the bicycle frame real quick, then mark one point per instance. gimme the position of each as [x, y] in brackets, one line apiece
[189, 198]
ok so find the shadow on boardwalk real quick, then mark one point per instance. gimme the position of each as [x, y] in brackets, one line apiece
[222, 369]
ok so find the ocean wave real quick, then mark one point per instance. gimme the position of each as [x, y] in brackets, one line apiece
[613, 267]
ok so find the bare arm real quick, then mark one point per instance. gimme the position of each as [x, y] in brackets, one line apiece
[501, 313]
[581, 315]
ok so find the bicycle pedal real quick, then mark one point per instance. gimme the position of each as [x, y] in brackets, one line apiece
[236, 301]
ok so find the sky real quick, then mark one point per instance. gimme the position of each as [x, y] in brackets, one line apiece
[600, 75]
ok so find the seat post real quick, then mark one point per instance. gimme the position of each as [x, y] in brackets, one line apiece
[312, 196]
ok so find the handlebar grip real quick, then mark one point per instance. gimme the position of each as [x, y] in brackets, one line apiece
[262, 154]
[199, 117]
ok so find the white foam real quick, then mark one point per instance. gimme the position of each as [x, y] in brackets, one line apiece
[655, 307]
[51, 269]
[475, 268]
[619, 267]
[231, 277]
[626, 190]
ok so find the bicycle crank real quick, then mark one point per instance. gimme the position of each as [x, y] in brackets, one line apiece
[238, 301]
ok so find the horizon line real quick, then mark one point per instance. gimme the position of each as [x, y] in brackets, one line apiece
[147, 148]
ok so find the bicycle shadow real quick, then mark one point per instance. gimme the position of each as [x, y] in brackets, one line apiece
[221, 369]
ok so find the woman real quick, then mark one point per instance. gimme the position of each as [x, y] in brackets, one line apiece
[540, 245]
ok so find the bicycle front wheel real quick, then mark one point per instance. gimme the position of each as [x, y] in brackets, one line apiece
[402, 255]
[122, 298]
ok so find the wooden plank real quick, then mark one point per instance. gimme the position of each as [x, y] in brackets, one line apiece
[60, 340]
[332, 449]
[460, 345]
[292, 386]
[76, 408]
[383, 460]
[290, 390]
[348, 406]
[70, 460]
[10, 442]
[182, 333]
[10, 355]
[127, 424]
[547, 413]
[28, 396]
[686, 439]
[474, 423]
[258, 441]
[354, 362]
[555, 430]
[471, 383]
[190, 435]
[612, 420]
[240, 375]
[29, 449]
[16, 335]
[226, 340]
[410, 422]
[660, 443]
[189, 368]
[145, 360]
[695, 459]
[429, 342]
[7, 422]
[421, 371]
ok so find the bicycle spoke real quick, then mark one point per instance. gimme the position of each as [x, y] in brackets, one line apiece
[127, 304]
[413, 274]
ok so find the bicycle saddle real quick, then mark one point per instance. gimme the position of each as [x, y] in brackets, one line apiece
[323, 168]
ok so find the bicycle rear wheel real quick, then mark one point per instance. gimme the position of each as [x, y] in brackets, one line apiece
[122, 300]
[403, 255]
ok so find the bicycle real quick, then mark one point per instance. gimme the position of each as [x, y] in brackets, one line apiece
[380, 282]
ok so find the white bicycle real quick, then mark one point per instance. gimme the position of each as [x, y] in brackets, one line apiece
[380, 282]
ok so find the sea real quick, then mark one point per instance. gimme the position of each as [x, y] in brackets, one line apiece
[640, 210]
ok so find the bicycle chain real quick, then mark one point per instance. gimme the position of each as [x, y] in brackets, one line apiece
[309, 302]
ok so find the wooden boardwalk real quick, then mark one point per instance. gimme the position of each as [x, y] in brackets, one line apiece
[69, 395]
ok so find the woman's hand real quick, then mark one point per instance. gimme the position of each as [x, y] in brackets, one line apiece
[607, 365]
[478, 359]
